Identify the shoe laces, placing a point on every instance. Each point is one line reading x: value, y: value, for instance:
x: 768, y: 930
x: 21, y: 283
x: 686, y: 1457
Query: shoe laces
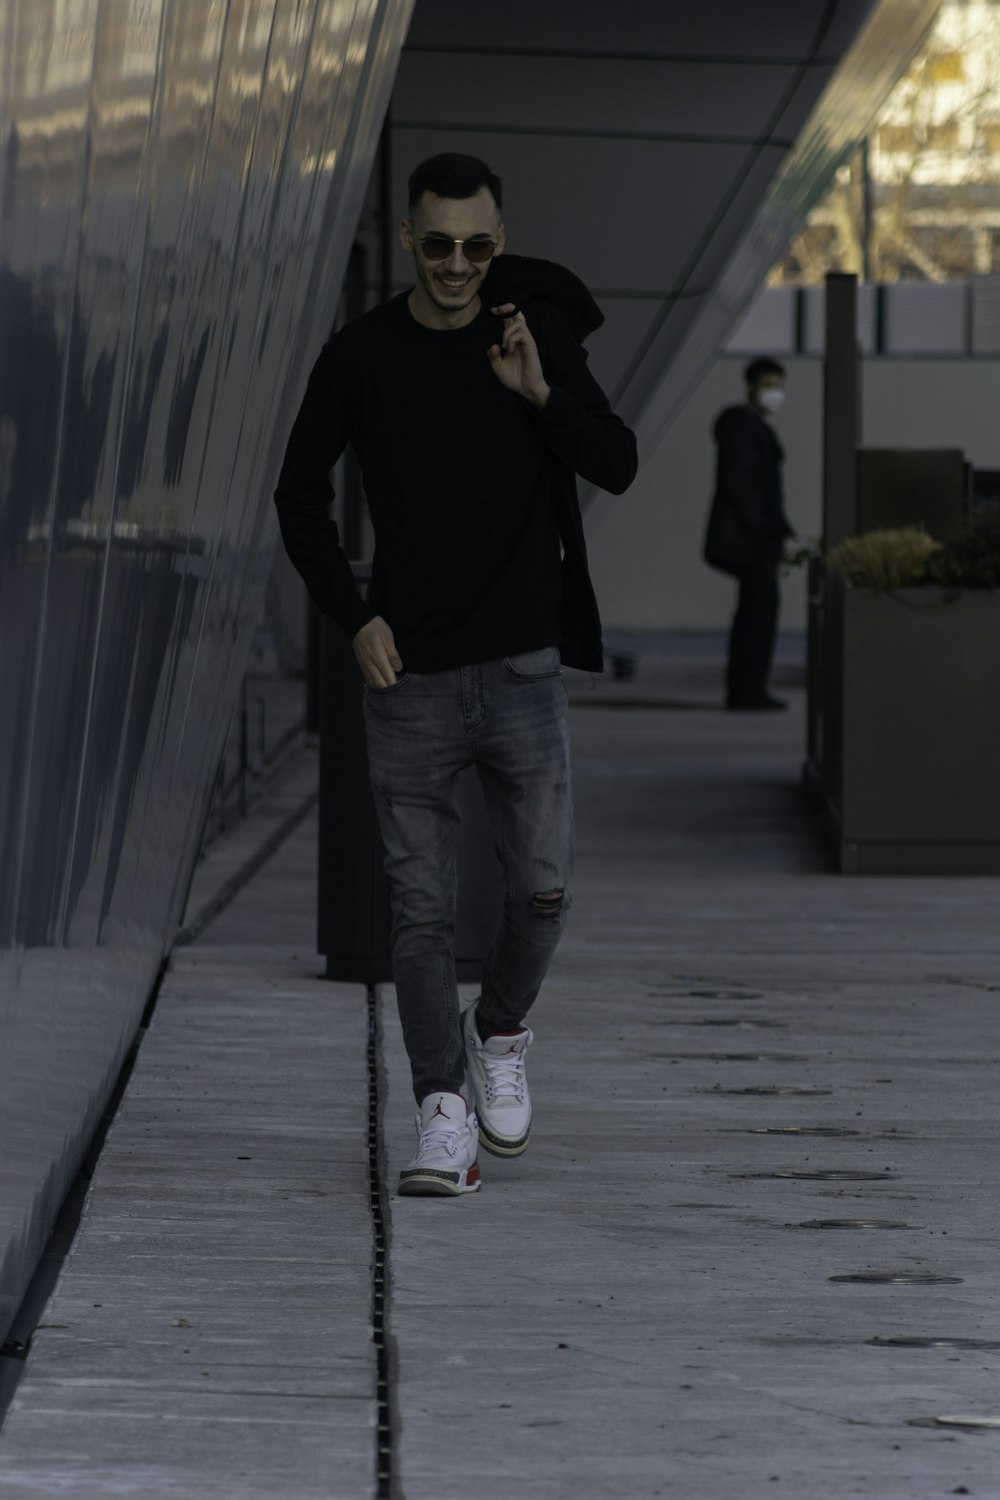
x: 505, y: 1076
x: 440, y: 1137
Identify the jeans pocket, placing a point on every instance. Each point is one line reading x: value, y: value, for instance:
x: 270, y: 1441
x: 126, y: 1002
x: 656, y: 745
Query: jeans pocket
x: 530, y: 666
x: 400, y: 680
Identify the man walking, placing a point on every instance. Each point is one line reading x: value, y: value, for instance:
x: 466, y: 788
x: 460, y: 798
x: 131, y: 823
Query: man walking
x: 747, y: 529
x: 470, y: 416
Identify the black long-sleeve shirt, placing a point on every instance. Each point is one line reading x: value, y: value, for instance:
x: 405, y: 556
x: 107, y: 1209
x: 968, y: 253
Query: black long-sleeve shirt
x: 470, y: 487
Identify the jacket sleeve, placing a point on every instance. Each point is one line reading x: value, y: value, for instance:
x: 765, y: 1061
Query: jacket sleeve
x: 740, y: 482
x: 304, y: 495
x: 579, y: 426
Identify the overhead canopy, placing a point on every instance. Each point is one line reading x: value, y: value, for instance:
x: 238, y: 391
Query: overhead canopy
x: 664, y: 152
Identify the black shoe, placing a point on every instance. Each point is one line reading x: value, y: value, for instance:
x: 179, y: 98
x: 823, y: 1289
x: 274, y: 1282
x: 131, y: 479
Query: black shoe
x: 765, y: 704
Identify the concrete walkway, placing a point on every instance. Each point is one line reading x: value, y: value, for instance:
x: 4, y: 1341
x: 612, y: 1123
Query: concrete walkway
x: 753, y: 1078
x: 210, y: 1334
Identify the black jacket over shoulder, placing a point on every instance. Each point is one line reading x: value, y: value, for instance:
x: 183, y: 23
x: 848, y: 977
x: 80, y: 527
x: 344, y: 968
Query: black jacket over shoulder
x: 747, y: 525
x: 479, y: 543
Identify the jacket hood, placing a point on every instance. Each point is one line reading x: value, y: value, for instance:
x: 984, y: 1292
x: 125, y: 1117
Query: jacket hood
x: 522, y: 278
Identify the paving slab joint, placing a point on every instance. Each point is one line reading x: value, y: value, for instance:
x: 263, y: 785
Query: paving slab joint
x: 386, y: 1479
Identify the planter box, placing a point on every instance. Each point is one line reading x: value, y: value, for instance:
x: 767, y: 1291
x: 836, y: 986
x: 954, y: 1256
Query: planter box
x: 919, y: 769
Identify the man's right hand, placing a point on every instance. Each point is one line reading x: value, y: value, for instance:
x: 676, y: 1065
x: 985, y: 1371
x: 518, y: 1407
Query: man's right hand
x: 375, y: 649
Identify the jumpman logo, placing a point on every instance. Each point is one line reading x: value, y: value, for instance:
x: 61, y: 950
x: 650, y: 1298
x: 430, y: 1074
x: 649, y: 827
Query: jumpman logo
x: 440, y: 1111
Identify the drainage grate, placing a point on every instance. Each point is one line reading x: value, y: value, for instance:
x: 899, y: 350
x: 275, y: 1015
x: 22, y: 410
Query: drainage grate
x: 900, y: 1278
x: 825, y: 1175
x: 857, y: 1224
x: 925, y: 1343
x: 771, y: 1089
x: 750, y: 1057
x: 741, y: 1023
x: 722, y: 995
x: 706, y: 994
x: 384, y: 1455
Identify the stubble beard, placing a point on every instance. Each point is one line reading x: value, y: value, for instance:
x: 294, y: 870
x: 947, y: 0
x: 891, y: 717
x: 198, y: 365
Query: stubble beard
x: 430, y: 286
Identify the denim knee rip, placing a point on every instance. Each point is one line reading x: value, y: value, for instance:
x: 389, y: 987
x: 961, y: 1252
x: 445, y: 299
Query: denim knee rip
x: 547, y: 904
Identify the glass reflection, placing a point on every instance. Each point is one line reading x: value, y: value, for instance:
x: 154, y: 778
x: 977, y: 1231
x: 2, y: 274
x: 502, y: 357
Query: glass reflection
x: 179, y: 184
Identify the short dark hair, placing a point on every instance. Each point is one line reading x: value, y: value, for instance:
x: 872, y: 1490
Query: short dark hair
x: 757, y: 368
x: 452, y: 175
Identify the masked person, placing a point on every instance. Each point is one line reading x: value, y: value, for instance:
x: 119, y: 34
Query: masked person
x: 747, y: 531
x: 471, y: 409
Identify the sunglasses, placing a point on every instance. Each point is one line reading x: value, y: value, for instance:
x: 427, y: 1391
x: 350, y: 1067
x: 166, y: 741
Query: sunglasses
x: 440, y: 246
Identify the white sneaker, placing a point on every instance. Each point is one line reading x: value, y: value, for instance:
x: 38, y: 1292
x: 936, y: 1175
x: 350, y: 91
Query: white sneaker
x: 447, y: 1148
x: 499, y: 1086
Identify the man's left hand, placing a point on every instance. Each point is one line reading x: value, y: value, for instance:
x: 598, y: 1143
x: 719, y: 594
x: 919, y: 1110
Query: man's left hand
x: 515, y: 359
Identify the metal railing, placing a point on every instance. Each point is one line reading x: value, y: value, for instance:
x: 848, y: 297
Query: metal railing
x: 903, y: 320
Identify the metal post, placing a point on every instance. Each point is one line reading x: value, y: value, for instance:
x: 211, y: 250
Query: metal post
x: 841, y: 437
x: 841, y: 409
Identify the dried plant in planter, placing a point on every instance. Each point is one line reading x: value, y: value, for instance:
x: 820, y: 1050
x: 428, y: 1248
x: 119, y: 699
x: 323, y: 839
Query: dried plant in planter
x: 972, y: 562
x: 886, y: 560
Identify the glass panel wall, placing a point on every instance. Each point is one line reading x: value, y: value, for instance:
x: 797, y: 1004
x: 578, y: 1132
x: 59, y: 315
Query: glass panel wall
x: 179, y: 186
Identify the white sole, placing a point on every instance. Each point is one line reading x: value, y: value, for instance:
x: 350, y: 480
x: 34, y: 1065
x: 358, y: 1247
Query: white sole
x: 425, y: 1182
x: 497, y: 1146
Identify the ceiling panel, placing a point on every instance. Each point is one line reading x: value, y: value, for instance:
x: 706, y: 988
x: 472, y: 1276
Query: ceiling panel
x: 811, y: 83
x: 716, y: 242
x: 651, y: 349
x: 713, y: 28
x: 637, y: 142
x: 609, y: 209
x: 744, y: 194
x: 848, y: 18
x: 841, y: 116
x: 627, y: 321
x: 591, y: 95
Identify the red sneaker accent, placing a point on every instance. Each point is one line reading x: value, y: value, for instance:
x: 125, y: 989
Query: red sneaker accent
x: 440, y: 1111
x: 473, y: 1174
x: 519, y: 1032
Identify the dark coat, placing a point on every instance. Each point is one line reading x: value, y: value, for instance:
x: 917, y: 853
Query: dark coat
x: 523, y: 280
x: 747, y: 525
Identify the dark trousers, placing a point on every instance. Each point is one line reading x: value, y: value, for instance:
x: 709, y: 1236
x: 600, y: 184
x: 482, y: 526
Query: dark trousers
x: 753, y: 634
x: 508, y: 718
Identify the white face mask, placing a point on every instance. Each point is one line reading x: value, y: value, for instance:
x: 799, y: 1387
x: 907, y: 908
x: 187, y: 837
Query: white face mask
x: 770, y: 400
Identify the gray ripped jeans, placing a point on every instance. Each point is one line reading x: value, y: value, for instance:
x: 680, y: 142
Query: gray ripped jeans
x: 508, y: 718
